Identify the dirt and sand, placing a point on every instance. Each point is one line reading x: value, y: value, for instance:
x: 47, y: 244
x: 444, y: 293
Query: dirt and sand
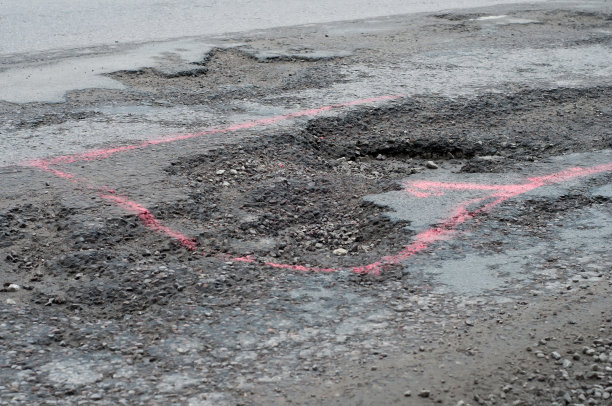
x: 283, y: 244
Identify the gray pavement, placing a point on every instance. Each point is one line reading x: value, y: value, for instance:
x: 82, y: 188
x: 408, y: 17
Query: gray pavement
x: 34, y: 26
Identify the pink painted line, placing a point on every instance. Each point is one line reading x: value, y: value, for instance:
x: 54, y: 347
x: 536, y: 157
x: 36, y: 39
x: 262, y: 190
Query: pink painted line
x: 424, y: 189
x: 108, y: 194
x: 46, y: 167
x: 108, y: 152
x: 423, y: 240
x: 150, y: 221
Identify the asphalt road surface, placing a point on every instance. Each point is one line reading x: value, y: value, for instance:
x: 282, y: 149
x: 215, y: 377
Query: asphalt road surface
x: 412, y: 209
x: 34, y: 26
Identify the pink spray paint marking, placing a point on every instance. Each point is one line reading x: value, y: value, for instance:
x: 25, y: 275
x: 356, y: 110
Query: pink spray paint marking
x: 108, y: 194
x: 108, y: 152
x: 150, y: 221
x: 46, y: 167
x: 424, y: 189
x: 424, y: 239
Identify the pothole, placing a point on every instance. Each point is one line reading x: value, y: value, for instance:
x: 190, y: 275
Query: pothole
x: 298, y: 198
x: 283, y: 200
x: 232, y: 73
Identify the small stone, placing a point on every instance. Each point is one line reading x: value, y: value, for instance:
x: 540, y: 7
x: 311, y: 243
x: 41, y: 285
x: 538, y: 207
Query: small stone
x: 340, y: 251
x: 220, y: 172
x: 10, y: 302
x: 408, y: 393
x: 424, y: 393
x: 469, y: 322
x: 233, y: 172
x: 460, y: 403
x: 567, y: 363
x: 567, y: 398
x: 431, y: 165
x: 13, y: 287
x: 226, y: 183
x: 507, y: 388
x: 555, y: 355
